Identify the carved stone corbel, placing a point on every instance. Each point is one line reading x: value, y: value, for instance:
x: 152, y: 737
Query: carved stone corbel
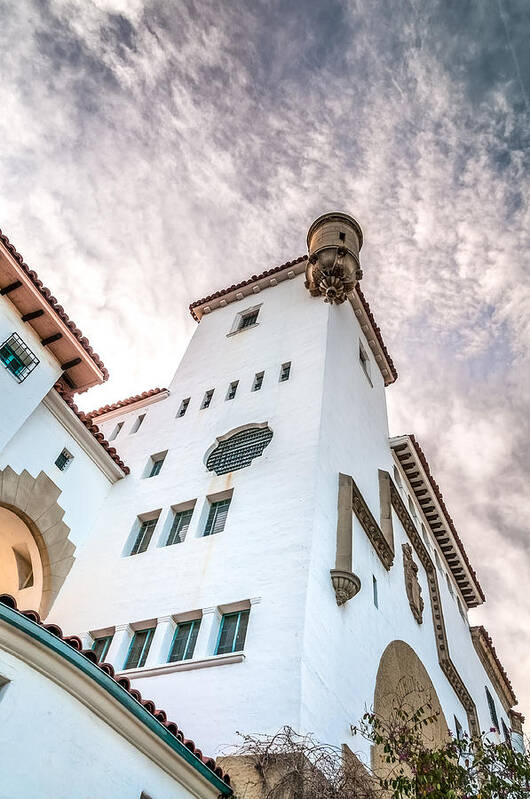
x: 345, y: 583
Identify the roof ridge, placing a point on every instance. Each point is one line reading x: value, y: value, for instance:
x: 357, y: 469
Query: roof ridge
x: 124, y: 402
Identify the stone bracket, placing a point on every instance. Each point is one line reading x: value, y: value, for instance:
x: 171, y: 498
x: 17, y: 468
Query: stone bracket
x: 345, y: 584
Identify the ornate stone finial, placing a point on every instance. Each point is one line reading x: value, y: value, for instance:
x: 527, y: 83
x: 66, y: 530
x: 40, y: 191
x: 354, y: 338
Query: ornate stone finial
x: 412, y: 584
x: 346, y: 585
x: 333, y: 269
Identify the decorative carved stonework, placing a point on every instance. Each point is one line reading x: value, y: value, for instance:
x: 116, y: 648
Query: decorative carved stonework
x: 412, y: 584
x: 334, y: 241
x: 371, y: 528
x: 345, y: 584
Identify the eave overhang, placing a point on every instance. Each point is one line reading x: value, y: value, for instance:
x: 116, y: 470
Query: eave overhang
x: 135, y: 403
x: 430, y: 499
x: 493, y: 666
x: 82, y: 367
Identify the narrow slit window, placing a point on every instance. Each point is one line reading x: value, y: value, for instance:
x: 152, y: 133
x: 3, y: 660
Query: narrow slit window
x: 184, y: 641
x: 143, y: 538
x: 179, y: 527
x: 374, y: 589
x: 100, y: 647
x: 248, y: 319
x: 116, y: 431
x: 232, y: 389
x: 412, y: 509
x: 449, y: 585
x: 139, y: 648
x: 365, y: 362
x: 138, y: 423
x: 459, y: 730
x: 217, y: 514
x: 285, y: 372
x: 425, y: 537
x: 183, y: 407
x: 232, y: 632
x: 397, y: 478
x: 17, y: 357
x: 64, y: 460
x: 437, y: 560
x: 207, y: 398
x: 493, y: 710
x: 156, y: 465
x: 258, y: 381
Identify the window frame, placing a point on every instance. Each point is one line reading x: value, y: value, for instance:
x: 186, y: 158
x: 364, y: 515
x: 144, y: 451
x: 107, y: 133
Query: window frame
x: 140, y: 534
x: 183, y: 407
x: 18, y: 348
x: 144, y: 652
x: 178, y: 512
x: 214, y: 504
x: 68, y: 458
x: 364, y: 360
x: 283, y: 378
x: 239, y: 326
x: 232, y: 390
x: 116, y: 431
x: 106, y: 646
x: 257, y: 383
x: 207, y: 399
x: 239, y: 613
x: 138, y: 422
x: 193, y: 633
x: 375, y: 592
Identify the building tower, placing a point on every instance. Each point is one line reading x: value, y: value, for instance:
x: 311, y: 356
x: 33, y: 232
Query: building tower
x: 273, y: 557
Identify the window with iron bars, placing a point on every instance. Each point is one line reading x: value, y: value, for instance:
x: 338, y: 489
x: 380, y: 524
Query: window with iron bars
x: 232, y: 389
x: 248, y: 319
x: 258, y: 381
x: 64, y: 460
x: 17, y: 357
x: 285, y: 372
x: 239, y: 450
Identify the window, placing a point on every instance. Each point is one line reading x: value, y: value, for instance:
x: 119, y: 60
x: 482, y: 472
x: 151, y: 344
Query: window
x: 461, y: 610
x: 232, y: 388
x: 239, y: 450
x: 374, y: 588
x: 285, y: 372
x: 100, y: 647
x: 397, y: 478
x: 506, y: 733
x: 493, y: 710
x: 459, y: 730
x: 412, y: 510
x: 115, y: 432
x: 17, y: 357
x: 139, y: 648
x: 248, y: 318
x: 179, y: 528
x: 184, y: 640
x: 144, y: 536
x: 232, y: 632
x: 157, y: 461
x: 425, y: 537
x: 437, y: 560
x: 207, y: 398
x: 258, y: 381
x: 138, y: 423
x: 449, y: 585
x: 216, y: 520
x: 365, y: 362
x: 183, y: 407
x: 64, y: 460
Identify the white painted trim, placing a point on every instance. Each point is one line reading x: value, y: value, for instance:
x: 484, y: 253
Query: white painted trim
x: 65, y: 415
x: 183, y: 665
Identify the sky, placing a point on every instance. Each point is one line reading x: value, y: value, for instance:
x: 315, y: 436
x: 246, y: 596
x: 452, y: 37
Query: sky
x: 154, y: 152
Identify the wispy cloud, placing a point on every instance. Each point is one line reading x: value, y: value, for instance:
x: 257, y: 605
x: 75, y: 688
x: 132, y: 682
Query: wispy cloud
x: 154, y: 151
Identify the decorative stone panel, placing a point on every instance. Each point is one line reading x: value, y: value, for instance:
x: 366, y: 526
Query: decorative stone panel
x: 412, y: 584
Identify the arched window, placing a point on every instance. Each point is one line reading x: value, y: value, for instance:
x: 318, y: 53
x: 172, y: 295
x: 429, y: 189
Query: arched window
x: 237, y: 449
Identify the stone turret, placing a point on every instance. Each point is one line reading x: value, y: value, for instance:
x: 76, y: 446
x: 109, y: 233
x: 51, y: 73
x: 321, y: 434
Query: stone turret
x: 333, y: 268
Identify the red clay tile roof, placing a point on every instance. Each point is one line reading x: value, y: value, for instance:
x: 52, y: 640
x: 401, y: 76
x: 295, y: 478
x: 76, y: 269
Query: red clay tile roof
x: 123, y: 403
x: 92, y: 428
x: 275, y: 270
x: 486, y: 638
x: 75, y: 643
x: 53, y: 303
x: 439, y: 497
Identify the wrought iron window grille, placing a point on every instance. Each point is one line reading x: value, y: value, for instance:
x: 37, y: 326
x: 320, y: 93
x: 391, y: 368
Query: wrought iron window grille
x: 17, y: 357
x: 239, y: 450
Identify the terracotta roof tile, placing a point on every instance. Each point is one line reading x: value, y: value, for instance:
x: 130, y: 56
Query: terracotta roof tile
x: 377, y: 331
x: 148, y: 704
x: 54, y: 304
x: 123, y: 403
x: 92, y: 428
x: 486, y: 638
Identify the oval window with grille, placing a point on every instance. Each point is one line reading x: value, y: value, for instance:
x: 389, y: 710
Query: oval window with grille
x: 238, y: 450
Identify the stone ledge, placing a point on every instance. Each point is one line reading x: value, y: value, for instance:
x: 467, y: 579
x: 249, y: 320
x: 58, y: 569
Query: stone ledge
x: 182, y: 665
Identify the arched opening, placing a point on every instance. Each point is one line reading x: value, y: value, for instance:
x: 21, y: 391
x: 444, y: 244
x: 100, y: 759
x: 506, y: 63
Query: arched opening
x: 21, y: 572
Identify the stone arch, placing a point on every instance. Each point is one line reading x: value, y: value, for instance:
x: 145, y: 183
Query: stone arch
x: 44, y: 546
x: 403, y: 679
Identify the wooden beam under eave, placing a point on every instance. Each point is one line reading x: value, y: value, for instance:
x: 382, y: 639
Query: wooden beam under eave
x: 12, y: 286
x: 70, y: 364
x: 51, y: 339
x: 33, y: 315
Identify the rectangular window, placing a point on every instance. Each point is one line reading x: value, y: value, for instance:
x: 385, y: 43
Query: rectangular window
x: 179, y: 528
x: 493, y: 710
x: 207, y: 398
x: 136, y: 426
x: 144, y: 536
x: 458, y: 729
x: 285, y: 372
x: 17, y: 357
x: 139, y: 648
x: 374, y: 589
x: 365, y: 362
x: 116, y: 431
x: 232, y: 632
x: 248, y: 319
x: 64, y: 460
x: 437, y: 560
x: 183, y: 407
x: 156, y: 465
x: 100, y: 647
x: 449, y: 585
x: 258, y: 381
x: 216, y: 520
x: 412, y: 509
x: 184, y: 641
x: 232, y: 388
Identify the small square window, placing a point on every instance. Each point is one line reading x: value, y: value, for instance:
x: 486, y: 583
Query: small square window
x: 217, y: 514
x: 258, y: 381
x: 179, y: 527
x: 232, y: 632
x: 64, y: 460
x: 374, y: 590
x: 248, y: 319
x: 184, y: 641
x: 116, y: 431
x: 100, y: 647
x: 144, y: 535
x: 207, y: 399
x: 285, y: 371
x: 138, y: 423
x: 17, y: 357
x: 156, y: 461
x: 183, y: 407
x: 232, y: 389
x: 139, y: 648
x: 365, y: 362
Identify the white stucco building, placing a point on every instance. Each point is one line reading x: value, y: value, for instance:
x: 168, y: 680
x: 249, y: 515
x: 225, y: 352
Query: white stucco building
x: 268, y: 555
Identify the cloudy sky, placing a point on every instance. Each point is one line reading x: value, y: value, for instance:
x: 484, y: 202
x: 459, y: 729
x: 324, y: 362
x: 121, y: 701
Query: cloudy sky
x: 153, y: 152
